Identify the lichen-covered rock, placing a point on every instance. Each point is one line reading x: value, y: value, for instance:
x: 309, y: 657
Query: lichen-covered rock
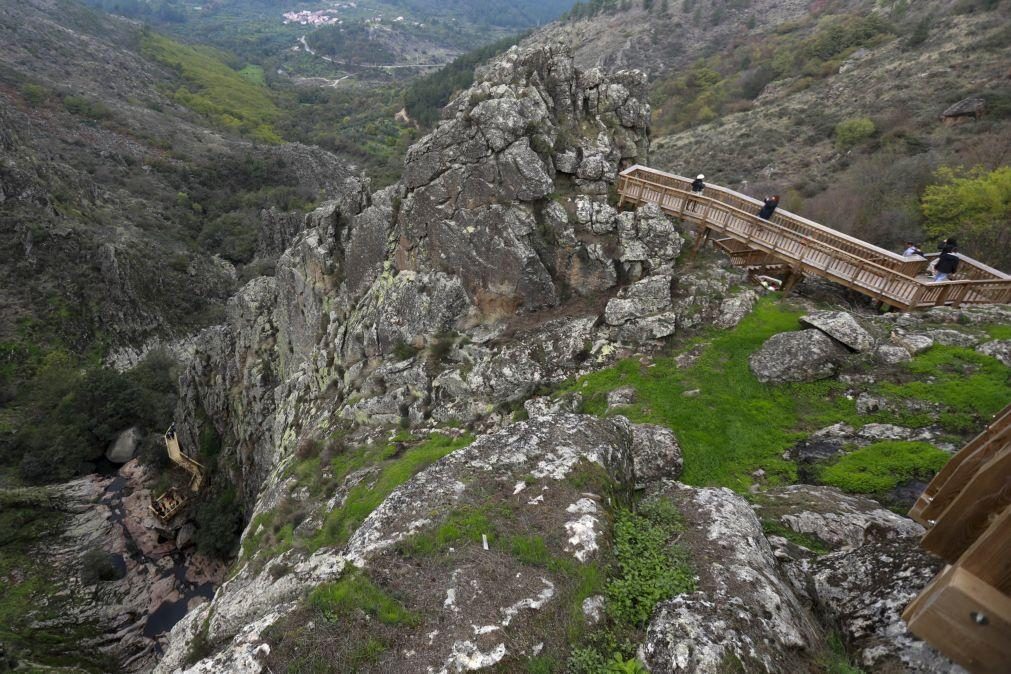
x: 953, y: 337
x: 805, y: 355
x: 841, y: 520
x: 865, y: 590
x: 841, y: 327
x: 733, y: 309
x: 650, y: 242
x: 892, y: 355
x: 911, y: 342
x: 468, y: 183
x: 999, y: 349
x: 743, y: 609
x: 524, y: 467
x: 639, y: 300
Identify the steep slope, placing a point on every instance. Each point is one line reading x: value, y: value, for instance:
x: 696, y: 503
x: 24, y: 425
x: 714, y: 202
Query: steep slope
x: 99, y: 173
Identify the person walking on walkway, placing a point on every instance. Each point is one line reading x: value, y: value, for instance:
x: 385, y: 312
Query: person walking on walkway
x: 947, y: 263
x: 698, y: 187
x: 769, y: 207
x: 912, y: 250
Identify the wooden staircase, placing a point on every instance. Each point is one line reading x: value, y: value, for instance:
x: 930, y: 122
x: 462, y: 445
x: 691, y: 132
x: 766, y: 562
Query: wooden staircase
x: 966, y: 610
x: 797, y: 246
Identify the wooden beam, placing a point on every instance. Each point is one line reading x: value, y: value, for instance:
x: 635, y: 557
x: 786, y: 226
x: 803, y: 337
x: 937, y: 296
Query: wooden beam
x: 984, y: 496
x: 966, y: 619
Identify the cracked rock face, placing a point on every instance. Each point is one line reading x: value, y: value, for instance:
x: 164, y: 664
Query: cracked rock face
x: 477, y: 183
x: 743, y: 608
x: 866, y: 590
x: 805, y: 355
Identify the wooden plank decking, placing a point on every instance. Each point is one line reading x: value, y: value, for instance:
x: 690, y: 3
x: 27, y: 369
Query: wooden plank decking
x: 966, y: 611
x: 806, y: 247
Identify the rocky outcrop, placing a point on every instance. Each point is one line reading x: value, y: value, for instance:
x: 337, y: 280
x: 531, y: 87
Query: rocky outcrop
x: 743, y: 609
x: 805, y: 355
x: 865, y: 592
x: 843, y: 521
x: 999, y: 349
x: 524, y: 467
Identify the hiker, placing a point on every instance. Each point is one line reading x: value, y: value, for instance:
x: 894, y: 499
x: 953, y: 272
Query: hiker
x: 947, y: 263
x: 911, y: 250
x: 946, y: 246
x: 770, y: 207
x: 698, y: 186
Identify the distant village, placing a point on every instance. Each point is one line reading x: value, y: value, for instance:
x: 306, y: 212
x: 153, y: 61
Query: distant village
x: 320, y: 17
x: 328, y: 17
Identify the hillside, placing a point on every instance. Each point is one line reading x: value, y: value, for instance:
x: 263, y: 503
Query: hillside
x: 759, y: 95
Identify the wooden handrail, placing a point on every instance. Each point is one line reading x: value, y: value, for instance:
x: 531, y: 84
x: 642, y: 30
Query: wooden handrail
x: 807, y: 246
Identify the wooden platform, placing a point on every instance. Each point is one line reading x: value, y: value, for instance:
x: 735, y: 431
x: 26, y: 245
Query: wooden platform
x: 966, y: 611
x: 800, y: 246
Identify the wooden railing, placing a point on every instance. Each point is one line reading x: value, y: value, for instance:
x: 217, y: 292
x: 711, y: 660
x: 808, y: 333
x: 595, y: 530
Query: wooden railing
x: 965, y: 612
x: 808, y: 247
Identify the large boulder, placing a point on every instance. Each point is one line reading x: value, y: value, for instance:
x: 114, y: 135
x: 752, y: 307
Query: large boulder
x: 743, y: 609
x: 864, y: 592
x: 805, y: 355
x: 124, y: 446
x: 841, y: 520
x: 841, y: 327
x: 473, y: 602
x: 639, y: 300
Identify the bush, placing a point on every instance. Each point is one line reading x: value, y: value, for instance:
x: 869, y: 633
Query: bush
x: 99, y: 566
x: 219, y: 525
x: 852, y: 132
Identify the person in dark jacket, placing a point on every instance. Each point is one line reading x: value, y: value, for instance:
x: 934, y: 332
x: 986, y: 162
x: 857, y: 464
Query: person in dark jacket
x: 947, y: 263
x: 770, y: 207
x: 698, y: 187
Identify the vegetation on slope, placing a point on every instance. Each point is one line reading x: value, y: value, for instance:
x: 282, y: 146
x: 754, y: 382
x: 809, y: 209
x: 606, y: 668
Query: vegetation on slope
x: 735, y: 425
x: 214, y: 89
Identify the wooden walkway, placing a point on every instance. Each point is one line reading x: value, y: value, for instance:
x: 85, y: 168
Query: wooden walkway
x: 966, y: 611
x: 796, y: 246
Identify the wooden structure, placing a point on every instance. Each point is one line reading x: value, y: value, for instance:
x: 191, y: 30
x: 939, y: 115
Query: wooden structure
x: 792, y: 246
x: 169, y: 503
x: 966, y: 611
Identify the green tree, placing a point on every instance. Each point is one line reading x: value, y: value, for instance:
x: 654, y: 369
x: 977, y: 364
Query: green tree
x: 975, y: 207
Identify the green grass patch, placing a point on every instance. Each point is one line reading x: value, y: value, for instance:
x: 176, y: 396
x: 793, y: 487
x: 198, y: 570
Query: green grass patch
x: 810, y: 541
x: 461, y: 526
x: 971, y: 386
x: 735, y: 424
x: 232, y: 99
x: 356, y: 592
x: 999, y: 331
x: 254, y: 74
x: 876, y: 468
x: 394, y: 470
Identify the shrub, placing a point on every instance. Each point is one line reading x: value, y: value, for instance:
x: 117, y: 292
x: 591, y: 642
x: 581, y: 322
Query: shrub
x: 851, y: 132
x: 99, y: 566
x: 650, y: 570
x: 219, y: 524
